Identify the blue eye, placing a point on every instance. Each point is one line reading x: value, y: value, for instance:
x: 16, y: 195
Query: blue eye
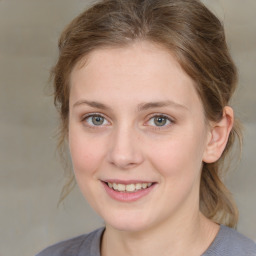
x: 159, y: 121
x: 96, y: 120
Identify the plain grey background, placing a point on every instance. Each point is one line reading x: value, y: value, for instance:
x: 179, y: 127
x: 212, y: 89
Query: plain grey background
x: 31, y: 177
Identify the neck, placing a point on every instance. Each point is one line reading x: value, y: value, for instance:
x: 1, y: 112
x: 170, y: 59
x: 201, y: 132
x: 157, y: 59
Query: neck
x: 173, y: 238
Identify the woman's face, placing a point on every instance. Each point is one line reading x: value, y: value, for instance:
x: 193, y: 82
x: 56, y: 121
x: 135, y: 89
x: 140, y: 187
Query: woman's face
x: 137, y: 136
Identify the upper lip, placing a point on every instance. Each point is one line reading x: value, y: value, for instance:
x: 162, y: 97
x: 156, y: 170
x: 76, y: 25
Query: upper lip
x: 126, y: 182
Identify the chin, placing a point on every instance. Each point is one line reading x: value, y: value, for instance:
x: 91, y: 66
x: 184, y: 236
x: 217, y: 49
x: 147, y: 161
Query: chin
x: 128, y: 227
x: 133, y: 223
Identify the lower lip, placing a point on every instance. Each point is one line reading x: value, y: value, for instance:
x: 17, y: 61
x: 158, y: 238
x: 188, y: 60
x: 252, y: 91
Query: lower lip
x: 127, y: 196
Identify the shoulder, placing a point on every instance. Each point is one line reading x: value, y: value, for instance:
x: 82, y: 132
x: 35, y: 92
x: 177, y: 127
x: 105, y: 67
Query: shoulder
x: 87, y: 244
x: 229, y: 242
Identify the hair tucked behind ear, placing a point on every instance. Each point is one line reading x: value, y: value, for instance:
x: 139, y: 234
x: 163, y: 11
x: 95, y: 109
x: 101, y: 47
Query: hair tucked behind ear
x: 216, y: 201
x: 196, y: 38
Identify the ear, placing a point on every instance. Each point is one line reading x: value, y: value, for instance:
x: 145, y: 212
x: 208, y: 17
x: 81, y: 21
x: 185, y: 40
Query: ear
x: 218, y: 136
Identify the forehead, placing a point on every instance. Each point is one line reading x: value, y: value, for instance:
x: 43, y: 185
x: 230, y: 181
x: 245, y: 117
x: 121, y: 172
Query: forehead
x: 143, y: 70
x: 142, y: 55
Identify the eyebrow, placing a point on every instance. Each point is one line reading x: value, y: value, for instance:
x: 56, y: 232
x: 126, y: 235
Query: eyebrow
x: 141, y: 107
x: 93, y: 104
x: 159, y: 104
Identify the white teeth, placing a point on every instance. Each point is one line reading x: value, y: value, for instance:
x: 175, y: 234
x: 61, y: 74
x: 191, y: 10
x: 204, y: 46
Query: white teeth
x: 129, y: 187
x: 144, y: 185
x: 115, y: 186
x: 121, y: 187
x: 138, y: 186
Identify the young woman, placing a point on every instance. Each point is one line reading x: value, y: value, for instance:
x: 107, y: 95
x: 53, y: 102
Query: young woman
x: 143, y: 90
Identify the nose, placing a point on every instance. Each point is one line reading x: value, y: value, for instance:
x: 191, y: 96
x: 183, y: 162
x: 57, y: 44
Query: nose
x: 125, y: 149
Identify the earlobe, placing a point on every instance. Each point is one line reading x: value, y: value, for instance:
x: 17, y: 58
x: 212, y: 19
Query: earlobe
x: 218, y: 136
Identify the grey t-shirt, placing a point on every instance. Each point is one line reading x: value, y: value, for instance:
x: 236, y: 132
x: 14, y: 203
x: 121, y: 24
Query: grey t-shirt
x: 228, y: 242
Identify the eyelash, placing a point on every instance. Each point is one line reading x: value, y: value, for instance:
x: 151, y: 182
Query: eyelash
x: 167, y: 118
x: 91, y: 115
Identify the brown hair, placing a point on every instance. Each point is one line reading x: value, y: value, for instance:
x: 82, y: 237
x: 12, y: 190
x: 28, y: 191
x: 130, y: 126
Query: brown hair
x: 195, y: 36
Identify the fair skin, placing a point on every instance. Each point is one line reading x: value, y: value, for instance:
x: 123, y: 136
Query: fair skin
x: 136, y: 118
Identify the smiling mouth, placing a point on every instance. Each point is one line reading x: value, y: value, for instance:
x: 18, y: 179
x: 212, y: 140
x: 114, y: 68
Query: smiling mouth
x: 128, y: 188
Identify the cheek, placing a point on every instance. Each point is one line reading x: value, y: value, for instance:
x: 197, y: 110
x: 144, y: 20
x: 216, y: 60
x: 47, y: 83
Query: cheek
x: 179, y: 157
x: 86, y: 153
